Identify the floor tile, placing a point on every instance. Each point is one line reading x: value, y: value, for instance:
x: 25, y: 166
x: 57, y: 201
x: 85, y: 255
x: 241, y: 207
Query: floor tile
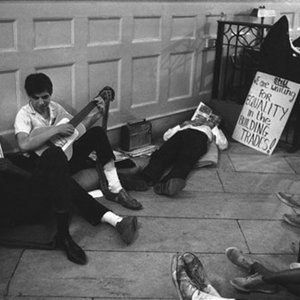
x: 192, y: 204
x: 9, y: 258
x: 270, y: 236
x: 163, y: 235
x: 294, y: 162
x: 262, y: 183
x: 224, y: 162
x: 204, y: 179
x: 107, y: 274
x: 260, y: 164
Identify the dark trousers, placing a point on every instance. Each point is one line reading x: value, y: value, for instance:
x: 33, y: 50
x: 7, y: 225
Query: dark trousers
x: 50, y: 190
x: 179, y: 154
x: 95, y: 139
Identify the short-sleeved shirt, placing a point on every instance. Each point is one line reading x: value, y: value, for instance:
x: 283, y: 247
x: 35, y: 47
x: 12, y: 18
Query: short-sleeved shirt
x: 27, y: 119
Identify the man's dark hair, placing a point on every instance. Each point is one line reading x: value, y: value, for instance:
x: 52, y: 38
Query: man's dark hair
x: 37, y: 83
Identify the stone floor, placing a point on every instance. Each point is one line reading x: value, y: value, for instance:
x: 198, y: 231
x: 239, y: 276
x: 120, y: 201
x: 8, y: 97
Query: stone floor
x: 231, y: 205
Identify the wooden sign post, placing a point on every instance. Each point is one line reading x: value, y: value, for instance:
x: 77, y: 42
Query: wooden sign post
x: 265, y: 112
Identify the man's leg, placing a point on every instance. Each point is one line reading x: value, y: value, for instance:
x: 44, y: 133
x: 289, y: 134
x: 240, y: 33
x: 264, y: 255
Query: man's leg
x: 95, y: 139
x: 96, y: 213
x: 51, y: 183
x: 162, y: 159
x: 193, y: 146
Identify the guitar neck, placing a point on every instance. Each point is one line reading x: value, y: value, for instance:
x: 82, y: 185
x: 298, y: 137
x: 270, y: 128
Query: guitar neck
x: 82, y: 114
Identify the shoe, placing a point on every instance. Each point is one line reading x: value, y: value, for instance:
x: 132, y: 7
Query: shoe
x: 294, y: 265
x: 185, y: 287
x: 293, y: 220
x: 197, y: 274
x: 289, y: 200
x: 124, y: 199
x: 127, y: 229
x: 169, y: 187
x: 237, y: 257
x: 253, y: 283
x: 73, y: 251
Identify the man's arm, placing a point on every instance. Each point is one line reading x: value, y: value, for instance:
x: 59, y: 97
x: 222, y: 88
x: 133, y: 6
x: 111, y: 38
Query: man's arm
x: 96, y: 114
x: 38, y: 137
x: 6, y: 166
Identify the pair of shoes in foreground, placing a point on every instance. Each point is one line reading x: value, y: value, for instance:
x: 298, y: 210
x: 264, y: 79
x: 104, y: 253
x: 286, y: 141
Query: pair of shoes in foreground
x: 124, y: 199
x: 252, y: 283
x: 190, y: 279
x: 169, y: 187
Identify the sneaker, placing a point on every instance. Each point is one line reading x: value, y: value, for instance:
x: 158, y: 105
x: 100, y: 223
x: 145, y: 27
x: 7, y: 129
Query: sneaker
x: 293, y: 220
x: 253, y: 283
x: 185, y: 288
x: 289, y: 200
x: 237, y: 257
x: 294, y: 265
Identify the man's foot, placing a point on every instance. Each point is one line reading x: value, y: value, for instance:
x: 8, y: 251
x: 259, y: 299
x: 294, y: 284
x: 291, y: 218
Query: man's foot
x: 73, y: 251
x: 127, y: 229
x: 197, y: 274
x: 253, y: 283
x: 237, y: 257
x: 169, y: 187
x: 124, y: 199
x: 293, y: 220
x: 289, y: 200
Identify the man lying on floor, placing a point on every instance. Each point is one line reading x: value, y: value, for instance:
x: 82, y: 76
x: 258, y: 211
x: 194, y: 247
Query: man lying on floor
x: 184, y: 145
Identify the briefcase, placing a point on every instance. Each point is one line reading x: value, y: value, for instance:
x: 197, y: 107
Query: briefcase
x: 136, y: 134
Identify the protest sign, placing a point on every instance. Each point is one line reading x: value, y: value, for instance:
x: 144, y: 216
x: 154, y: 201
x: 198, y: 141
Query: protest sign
x: 265, y: 112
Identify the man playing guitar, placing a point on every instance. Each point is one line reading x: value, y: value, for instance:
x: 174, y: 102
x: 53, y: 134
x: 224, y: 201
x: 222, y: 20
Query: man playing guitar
x: 36, y: 125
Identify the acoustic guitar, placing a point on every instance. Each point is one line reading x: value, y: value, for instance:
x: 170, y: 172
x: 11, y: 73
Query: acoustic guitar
x: 66, y: 143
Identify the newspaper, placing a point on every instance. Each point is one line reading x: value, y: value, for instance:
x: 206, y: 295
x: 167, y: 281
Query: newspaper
x: 204, y: 112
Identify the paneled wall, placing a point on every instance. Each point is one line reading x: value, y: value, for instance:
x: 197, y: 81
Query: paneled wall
x: 158, y: 56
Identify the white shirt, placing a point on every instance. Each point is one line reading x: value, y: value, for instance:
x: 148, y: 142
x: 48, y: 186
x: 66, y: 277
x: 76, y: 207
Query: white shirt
x: 215, y: 134
x: 27, y: 119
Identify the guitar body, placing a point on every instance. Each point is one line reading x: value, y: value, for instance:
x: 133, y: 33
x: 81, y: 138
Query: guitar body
x: 66, y: 143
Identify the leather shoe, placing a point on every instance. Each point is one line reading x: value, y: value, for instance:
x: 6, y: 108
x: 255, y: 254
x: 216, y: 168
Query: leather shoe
x: 124, y: 199
x: 169, y: 187
x: 73, y: 251
x: 127, y: 229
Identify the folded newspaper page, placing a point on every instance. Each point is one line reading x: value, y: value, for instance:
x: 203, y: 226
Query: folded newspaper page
x: 203, y: 111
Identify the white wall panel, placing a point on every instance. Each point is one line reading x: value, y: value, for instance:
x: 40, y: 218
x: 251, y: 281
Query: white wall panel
x: 181, y: 72
x: 9, y: 99
x: 147, y: 29
x: 145, y: 83
x: 8, y: 35
x: 104, y: 30
x: 53, y: 33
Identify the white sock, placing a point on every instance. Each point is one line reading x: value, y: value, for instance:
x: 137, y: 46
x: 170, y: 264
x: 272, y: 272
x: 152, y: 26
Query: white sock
x: 112, y: 177
x: 111, y: 218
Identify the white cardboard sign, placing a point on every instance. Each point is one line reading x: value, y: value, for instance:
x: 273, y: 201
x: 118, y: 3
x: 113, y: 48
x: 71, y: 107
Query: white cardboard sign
x: 265, y: 112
